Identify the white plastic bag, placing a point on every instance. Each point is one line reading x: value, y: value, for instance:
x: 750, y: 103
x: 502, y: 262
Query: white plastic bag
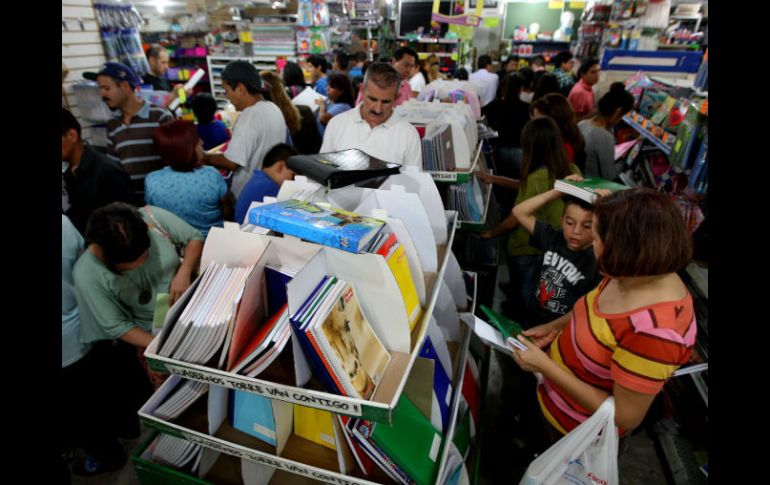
x: 588, y: 455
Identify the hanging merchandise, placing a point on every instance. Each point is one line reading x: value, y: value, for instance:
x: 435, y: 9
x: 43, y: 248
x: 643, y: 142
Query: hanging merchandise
x: 303, y: 40
x: 305, y: 13
x: 119, y: 29
x: 319, y: 41
x: 320, y: 13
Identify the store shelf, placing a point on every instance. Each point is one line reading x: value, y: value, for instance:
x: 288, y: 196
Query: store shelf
x: 457, y: 177
x: 646, y: 134
x: 481, y: 225
x: 365, y: 409
x: 430, y: 40
x: 220, y: 441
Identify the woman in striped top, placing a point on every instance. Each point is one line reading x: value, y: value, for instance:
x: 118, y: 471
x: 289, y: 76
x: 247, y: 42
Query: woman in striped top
x: 630, y: 334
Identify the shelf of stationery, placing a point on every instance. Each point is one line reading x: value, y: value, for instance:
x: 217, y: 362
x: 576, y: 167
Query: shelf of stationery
x: 458, y: 176
x: 639, y: 123
x: 478, y: 226
x: 208, y: 426
x: 375, y: 411
x: 217, y: 63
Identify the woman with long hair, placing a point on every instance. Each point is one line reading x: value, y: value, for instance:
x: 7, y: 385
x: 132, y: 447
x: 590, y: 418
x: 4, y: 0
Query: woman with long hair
x: 340, y: 92
x: 558, y: 108
x: 432, y: 64
x: 301, y: 124
x: 281, y: 99
x: 293, y: 79
x: 543, y: 162
x: 597, y: 131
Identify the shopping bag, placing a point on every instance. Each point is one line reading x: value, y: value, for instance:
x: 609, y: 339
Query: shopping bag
x: 588, y: 455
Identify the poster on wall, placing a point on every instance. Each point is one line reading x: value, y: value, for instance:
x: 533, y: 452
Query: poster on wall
x: 459, y: 17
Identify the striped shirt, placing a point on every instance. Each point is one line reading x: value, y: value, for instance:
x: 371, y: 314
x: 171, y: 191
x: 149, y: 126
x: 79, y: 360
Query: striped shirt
x: 638, y: 350
x: 133, y: 144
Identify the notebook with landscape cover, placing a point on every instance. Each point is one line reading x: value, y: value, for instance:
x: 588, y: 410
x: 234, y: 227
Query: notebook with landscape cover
x: 337, y: 228
x: 586, y: 189
x: 339, y: 169
x: 357, y: 357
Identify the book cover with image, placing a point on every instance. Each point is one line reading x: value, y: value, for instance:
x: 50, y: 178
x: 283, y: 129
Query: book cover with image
x: 337, y: 228
x: 361, y: 356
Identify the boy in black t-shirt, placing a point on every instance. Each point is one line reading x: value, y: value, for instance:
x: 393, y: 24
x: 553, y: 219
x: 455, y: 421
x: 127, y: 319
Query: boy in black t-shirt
x: 569, y: 265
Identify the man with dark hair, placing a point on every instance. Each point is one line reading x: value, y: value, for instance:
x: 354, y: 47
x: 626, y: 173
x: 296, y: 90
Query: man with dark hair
x: 91, y: 179
x: 582, y: 97
x: 260, y: 125
x: 360, y: 59
x: 320, y: 66
x: 266, y: 182
x: 129, y: 134
x: 485, y: 79
x: 341, y: 62
x: 158, y: 59
x: 564, y: 63
x: 403, y: 62
x: 212, y: 131
x: 537, y: 63
x: 370, y: 126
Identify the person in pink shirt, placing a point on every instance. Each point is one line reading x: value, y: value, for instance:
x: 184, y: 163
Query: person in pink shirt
x: 581, y: 97
x: 403, y: 61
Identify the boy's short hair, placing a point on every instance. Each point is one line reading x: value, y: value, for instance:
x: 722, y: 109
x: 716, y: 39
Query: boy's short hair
x: 342, y: 60
x: 120, y: 232
x: 572, y: 200
x: 643, y: 234
x: 279, y: 152
x: 204, y: 106
x: 317, y: 60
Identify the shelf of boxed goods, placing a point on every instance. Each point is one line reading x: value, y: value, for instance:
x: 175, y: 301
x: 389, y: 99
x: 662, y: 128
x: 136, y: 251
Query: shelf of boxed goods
x: 256, y: 452
x: 375, y: 411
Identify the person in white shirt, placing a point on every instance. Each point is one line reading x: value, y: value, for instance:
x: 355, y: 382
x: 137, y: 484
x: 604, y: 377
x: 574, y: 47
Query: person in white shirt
x: 371, y: 126
x: 486, y: 79
x: 417, y: 81
x: 259, y: 127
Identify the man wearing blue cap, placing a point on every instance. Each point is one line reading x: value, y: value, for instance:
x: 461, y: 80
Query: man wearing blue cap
x: 259, y: 127
x: 130, y: 133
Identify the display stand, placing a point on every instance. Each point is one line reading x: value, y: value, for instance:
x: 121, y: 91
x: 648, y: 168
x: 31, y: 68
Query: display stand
x: 211, y: 430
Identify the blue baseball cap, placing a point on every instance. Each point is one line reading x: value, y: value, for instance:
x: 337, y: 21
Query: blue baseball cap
x: 117, y: 71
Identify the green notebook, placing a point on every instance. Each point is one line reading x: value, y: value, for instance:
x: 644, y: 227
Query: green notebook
x: 411, y: 442
x: 585, y: 189
x: 506, y: 326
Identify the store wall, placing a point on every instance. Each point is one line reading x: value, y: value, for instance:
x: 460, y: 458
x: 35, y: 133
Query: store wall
x: 526, y: 12
x: 81, y: 51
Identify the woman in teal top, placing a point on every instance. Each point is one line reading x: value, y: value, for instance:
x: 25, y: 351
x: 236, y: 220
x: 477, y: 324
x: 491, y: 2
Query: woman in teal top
x: 543, y: 161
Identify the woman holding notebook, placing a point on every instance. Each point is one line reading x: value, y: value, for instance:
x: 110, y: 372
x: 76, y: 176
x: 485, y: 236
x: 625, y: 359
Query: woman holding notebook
x: 628, y: 336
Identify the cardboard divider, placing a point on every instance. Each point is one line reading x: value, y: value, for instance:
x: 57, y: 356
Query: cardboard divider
x: 418, y: 182
x: 407, y: 207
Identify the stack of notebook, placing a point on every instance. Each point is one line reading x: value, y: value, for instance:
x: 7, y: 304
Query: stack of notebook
x: 438, y: 153
x: 343, y: 168
x: 346, y: 354
x: 467, y: 200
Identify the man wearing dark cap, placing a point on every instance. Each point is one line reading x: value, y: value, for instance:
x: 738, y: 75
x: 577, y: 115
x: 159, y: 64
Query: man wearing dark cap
x: 259, y: 127
x: 130, y: 134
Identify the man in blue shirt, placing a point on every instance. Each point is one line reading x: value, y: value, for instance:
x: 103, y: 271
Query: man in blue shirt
x: 320, y: 66
x: 265, y: 182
